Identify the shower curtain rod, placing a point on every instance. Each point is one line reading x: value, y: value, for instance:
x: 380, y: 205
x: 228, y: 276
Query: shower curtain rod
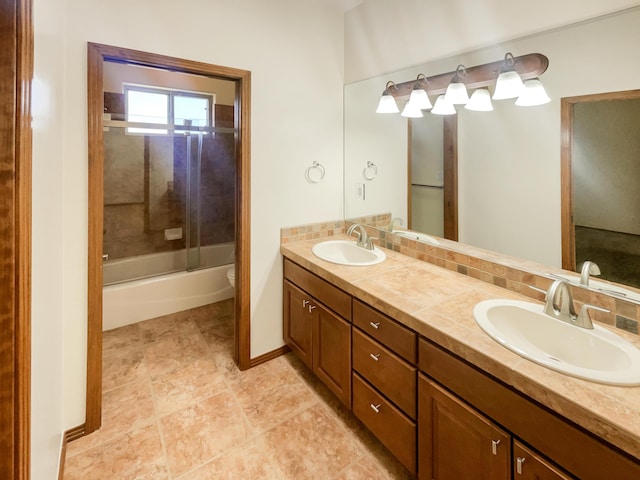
x: 166, y: 126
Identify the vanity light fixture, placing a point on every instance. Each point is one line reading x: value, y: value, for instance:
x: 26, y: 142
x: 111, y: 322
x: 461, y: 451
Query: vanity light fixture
x: 456, y: 93
x: 450, y: 88
x: 419, y: 97
x: 509, y: 84
x: 533, y: 94
x: 387, y: 102
x: 480, y: 101
x: 443, y: 107
x: 410, y: 110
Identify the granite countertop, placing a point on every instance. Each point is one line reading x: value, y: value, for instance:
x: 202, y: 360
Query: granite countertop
x: 438, y: 304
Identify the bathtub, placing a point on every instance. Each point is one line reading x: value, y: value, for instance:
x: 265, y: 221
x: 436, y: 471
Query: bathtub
x: 136, y: 300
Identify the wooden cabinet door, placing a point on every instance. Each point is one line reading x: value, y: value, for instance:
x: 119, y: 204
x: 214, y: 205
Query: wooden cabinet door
x: 298, y: 322
x: 528, y: 465
x: 332, y: 352
x: 457, y: 443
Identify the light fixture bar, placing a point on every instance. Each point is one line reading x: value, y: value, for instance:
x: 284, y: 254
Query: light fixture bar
x: 528, y: 66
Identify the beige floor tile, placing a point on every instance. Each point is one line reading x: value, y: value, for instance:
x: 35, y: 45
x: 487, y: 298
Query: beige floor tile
x: 311, y: 445
x: 219, y: 337
x: 174, y: 352
x: 187, y: 385
x: 159, y: 328
x: 121, y: 368
x: 135, y: 455
x: 195, y: 435
x: 118, y: 339
x: 249, y: 461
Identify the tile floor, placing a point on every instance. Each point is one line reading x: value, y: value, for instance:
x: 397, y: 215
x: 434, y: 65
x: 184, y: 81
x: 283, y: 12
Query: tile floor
x: 175, y: 406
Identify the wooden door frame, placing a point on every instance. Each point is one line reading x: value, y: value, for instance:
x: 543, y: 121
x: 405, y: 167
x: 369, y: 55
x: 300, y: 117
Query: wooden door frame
x: 97, y: 54
x: 16, y: 65
x: 566, y: 177
x: 450, y: 174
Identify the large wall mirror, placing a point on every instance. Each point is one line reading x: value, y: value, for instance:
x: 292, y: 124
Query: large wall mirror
x: 509, y: 178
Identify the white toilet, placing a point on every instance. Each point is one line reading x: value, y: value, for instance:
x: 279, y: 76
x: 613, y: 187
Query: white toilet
x: 231, y: 275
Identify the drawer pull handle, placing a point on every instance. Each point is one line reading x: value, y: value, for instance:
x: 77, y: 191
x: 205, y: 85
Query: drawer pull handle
x: 305, y: 303
x: 311, y: 308
x: 519, y: 462
x: 375, y: 325
x: 375, y: 356
x: 494, y: 446
x: 375, y: 408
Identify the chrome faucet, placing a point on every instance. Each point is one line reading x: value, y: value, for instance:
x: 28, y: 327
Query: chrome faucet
x: 559, y: 304
x: 364, y: 240
x: 588, y: 268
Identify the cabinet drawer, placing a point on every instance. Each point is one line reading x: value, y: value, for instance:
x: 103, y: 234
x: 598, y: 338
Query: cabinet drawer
x: 387, y: 331
x: 323, y: 291
x: 394, y: 377
x: 388, y: 424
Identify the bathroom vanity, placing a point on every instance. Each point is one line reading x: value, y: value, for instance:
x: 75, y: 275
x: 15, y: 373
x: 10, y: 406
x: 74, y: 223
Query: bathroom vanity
x: 397, y: 343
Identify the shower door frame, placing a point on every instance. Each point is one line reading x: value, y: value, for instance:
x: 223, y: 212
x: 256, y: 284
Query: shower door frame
x: 97, y: 54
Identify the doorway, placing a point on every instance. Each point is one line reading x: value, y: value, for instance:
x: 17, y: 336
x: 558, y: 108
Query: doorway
x: 97, y: 56
x: 432, y: 190
x: 599, y: 177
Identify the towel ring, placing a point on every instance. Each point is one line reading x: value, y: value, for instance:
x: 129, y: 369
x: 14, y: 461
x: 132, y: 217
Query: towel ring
x: 370, y: 171
x: 314, y: 173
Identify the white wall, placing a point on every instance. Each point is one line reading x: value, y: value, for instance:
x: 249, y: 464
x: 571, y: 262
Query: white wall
x: 383, y: 36
x: 294, y: 50
x: 509, y: 159
x: 47, y: 321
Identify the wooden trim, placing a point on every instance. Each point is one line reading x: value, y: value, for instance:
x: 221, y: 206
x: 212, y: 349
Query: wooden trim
x: 265, y: 357
x: 16, y: 65
x: 97, y: 54
x: 566, y: 179
x: 450, y: 150
x: 528, y: 66
x: 409, y: 174
x: 69, y: 436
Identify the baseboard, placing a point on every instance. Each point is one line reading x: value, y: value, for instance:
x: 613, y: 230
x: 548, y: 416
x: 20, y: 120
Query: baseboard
x: 69, y: 435
x: 265, y: 357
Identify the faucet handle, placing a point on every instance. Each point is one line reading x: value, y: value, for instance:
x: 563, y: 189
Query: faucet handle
x: 369, y: 243
x: 540, y: 290
x: 584, y: 319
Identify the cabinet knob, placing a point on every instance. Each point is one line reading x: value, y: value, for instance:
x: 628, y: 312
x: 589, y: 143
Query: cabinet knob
x: 375, y: 356
x: 519, y: 462
x: 375, y: 325
x: 494, y: 446
x: 375, y: 408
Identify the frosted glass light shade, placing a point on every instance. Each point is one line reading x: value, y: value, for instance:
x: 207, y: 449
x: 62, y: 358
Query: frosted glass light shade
x: 508, y: 85
x: 411, y: 111
x: 480, y: 101
x: 456, y: 93
x: 387, y: 104
x: 420, y: 99
x: 442, y: 107
x: 533, y: 94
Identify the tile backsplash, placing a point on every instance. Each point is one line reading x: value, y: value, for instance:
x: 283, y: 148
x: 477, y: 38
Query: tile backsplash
x: 503, y: 271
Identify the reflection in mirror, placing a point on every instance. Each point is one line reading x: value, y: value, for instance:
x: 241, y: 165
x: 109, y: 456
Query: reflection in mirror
x: 509, y: 167
x: 604, y: 160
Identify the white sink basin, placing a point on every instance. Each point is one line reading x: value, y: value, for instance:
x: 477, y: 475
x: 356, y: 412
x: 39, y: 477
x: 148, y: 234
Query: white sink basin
x: 597, y: 355
x: 346, y: 252
x: 421, y: 237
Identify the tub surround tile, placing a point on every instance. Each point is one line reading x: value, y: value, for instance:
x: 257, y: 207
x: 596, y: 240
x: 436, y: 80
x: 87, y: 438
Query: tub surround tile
x: 439, y: 305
